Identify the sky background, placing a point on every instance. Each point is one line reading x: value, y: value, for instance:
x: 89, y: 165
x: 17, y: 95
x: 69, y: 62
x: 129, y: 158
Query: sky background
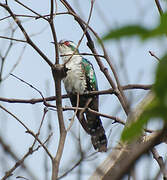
x: 139, y: 67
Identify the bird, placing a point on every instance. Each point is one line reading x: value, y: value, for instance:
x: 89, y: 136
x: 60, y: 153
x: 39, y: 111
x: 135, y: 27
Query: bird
x: 80, y: 79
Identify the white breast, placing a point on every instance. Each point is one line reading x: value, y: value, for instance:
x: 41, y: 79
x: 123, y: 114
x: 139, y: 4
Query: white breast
x: 75, y: 81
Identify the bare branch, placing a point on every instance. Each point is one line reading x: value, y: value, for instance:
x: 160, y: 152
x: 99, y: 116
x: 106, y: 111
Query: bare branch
x: 116, y: 164
x: 52, y: 98
x: 159, y: 7
x: 160, y: 162
x: 56, y: 72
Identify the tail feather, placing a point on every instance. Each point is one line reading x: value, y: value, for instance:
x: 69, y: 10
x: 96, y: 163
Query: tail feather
x: 97, y: 132
x: 92, y: 123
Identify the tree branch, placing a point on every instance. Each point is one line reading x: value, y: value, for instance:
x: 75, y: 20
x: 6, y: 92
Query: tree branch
x: 160, y: 162
x: 52, y: 98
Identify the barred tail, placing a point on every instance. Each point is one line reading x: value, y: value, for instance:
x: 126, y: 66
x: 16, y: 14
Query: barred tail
x: 92, y: 123
x: 97, y: 133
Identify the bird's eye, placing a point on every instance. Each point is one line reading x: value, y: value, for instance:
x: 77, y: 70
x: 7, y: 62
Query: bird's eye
x: 66, y: 43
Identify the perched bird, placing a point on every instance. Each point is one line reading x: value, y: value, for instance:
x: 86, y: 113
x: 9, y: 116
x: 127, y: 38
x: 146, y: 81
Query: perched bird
x: 81, y: 79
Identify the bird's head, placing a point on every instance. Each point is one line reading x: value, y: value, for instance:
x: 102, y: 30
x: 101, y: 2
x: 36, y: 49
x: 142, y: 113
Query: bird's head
x: 67, y: 47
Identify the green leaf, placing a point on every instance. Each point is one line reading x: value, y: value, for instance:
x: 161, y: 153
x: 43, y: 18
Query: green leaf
x: 140, y: 31
x: 160, y: 86
x: 126, y: 31
x: 136, y: 128
x: 157, y: 108
x: 162, y: 28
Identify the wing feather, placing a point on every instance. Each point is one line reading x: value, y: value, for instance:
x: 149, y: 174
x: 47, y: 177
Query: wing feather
x: 90, y: 75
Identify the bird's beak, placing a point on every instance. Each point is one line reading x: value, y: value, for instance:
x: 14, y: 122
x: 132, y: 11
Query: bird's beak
x: 59, y: 44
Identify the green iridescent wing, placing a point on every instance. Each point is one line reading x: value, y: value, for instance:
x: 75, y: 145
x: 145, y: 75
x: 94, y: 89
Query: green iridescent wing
x: 90, y: 75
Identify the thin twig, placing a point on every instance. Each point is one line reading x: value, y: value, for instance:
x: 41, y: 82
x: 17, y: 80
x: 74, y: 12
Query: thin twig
x: 152, y: 54
x: 18, y: 163
x: 29, y: 85
x: 30, y: 9
x: 3, y: 58
x: 27, y: 129
x: 30, y: 151
x: 32, y: 16
x: 116, y: 119
x: 160, y: 162
x: 87, y: 54
x: 51, y: 22
x: 15, y: 65
x: 8, y: 150
x: 13, y: 39
x: 84, y: 32
x: 72, y: 119
x: 71, y: 169
x: 159, y: 7
x: 43, y: 99
x: 28, y: 39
